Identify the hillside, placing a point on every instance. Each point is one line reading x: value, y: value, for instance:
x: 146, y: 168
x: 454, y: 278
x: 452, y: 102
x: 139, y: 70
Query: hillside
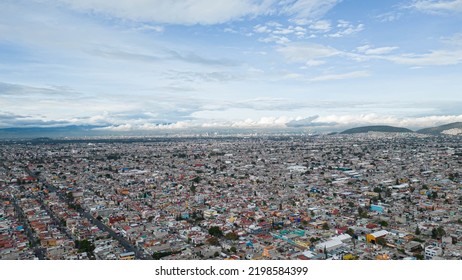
x: 448, y: 129
x: 377, y: 128
x: 44, y: 132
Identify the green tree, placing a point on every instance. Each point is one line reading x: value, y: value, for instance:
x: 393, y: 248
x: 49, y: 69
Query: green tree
x: 377, y: 190
x: 383, y: 223
x: 84, y: 246
x: 417, y: 231
x: 350, y: 231
x: 193, y: 188
x: 362, y: 212
x: 213, y: 241
x: 438, y: 232
x: 159, y: 255
x: 231, y: 236
x: 314, y: 239
x: 215, y: 231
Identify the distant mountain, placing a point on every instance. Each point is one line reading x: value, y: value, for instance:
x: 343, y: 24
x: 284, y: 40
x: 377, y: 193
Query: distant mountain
x: 448, y: 129
x: 377, y: 128
x: 42, y: 133
x: 46, y: 134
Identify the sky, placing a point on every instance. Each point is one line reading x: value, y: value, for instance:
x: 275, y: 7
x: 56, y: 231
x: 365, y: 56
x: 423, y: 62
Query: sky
x: 152, y: 65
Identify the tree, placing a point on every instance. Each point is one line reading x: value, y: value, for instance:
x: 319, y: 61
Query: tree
x: 438, y: 232
x: 362, y: 212
x: 383, y: 223
x: 314, y: 239
x: 377, y: 190
x: 159, y: 255
x: 233, y: 249
x: 325, y: 226
x: 215, y: 231
x: 84, y: 246
x: 231, y: 236
x: 350, y: 231
x: 193, y: 188
x: 213, y: 241
x: 417, y: 230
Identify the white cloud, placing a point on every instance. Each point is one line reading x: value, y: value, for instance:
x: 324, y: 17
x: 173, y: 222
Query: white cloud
x: 321, y: 25
x: 147, y: 27
x: 149, y: 126
x: 382, y: 50
x: 199, y: 11
x: 437, y: 57
x: 366, y: 49
x: 437, y: 7
x: 333, y: 121
x: 278, y: 33
x: 314, y: 62
x: 293, y: 76
x: 389, y: 16
x: 449, y: 54
x: 303, y: 9
x: 230, y: 30
x: 363, y: 48
x: 274, y: 24
x: 261, y: 29
x: 178, y: 12
x: 343, y: 76
x: 284, y: 31
x: 345, y: 28
x: 454, y: 41
x: 276, y: 39
x: 265, y: 122
x: 298, y: 52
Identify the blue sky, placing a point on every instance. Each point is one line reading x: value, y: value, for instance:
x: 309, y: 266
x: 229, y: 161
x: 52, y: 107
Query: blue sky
x: 160, y: 64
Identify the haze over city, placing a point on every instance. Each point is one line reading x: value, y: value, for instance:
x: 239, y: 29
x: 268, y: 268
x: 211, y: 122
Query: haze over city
x: 150, y: 65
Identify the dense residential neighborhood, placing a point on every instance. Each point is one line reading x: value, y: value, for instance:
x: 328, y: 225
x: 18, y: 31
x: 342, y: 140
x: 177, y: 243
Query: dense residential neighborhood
x: 368, y: 196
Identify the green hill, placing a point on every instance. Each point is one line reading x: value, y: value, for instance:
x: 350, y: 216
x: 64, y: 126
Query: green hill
x: 377, y: 128
x: 451, y: 128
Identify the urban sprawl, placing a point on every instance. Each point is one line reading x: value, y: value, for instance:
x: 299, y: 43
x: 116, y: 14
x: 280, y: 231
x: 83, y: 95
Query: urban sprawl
x: 372, y: 196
